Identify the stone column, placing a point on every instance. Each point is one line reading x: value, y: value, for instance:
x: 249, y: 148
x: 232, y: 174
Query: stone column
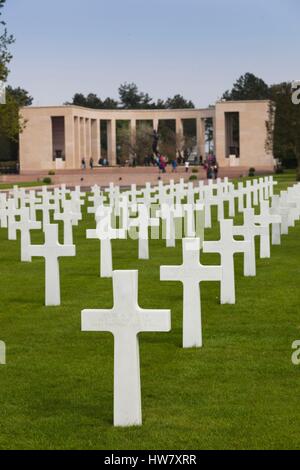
x: 69, y: 142
x: 96, y: 140
x: 111, y: 142
x: 155, y: 124
x: 88, y: 138
x: 82, y: 139
x: 77, y: 142
x: 215, y: 135
x: 179, y: 134
x: 201, y: 137
x: 133, y: 133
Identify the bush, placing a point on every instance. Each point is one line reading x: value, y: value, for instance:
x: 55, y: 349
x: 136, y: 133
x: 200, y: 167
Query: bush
x: 288, y: 160
x: 251, y: 172
x: 279, y: 170
x: 193, y: 178
x: 47, y: 181
x: 51, y: 173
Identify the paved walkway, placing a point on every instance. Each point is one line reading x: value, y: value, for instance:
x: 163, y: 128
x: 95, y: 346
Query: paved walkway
x: 122, y: 176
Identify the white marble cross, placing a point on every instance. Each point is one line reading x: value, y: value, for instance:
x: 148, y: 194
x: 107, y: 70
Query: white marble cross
x: 105, y: 233
x: 79, y: 194
x: 191, y: 273
x: 248, y: 191
x: 278, y: 209
x: 33, y: 200
x: 133, y: 194
x: 229, y: 197
x: 272, y: 185
x: 3, y: 211
x: 190, y: 194
x: 241, y: 196
x: 115, y: 201
x: 147, y: 197
x: 46, y: 206
x: 172, y: 217
x: 142, y: 223
x: 255, y: 192
x: 125, y: 321
x: 266, y: 218
x: 97, y: 199
x: 179, y: 194
x: 194, y: 221
x: 64, y: 191
x: 249, y: 231
x: 51, y: 251
x: 261, y: 189
x: 12, y: 213
x: 294, y: 198
x: 77, y: 203
x: 69, y: 219
x: 227, y: 246
x: 24, y: 225
x: 111, y: 190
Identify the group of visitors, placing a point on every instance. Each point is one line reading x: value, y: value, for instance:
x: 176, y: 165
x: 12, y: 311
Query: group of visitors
x: 212, y: 172
x: 212, y: 167
x: 102, y: 162
x: 160, y: 161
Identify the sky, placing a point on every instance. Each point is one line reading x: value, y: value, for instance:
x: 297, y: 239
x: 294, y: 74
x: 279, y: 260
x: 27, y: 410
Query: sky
x: 197, y: 48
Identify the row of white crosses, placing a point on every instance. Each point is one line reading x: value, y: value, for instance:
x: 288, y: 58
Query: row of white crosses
x: 25, y: 206
x: 169, y: 199
x: 127, y: 319
x: 127, y: 412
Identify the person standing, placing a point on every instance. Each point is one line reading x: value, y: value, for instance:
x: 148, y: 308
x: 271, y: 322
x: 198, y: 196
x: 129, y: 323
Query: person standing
x: 174, y: 165
x: 83, y: 164
x: 91, y: 163
x: 210, y: 173
x: 216, y: 171
x: 187, y: 166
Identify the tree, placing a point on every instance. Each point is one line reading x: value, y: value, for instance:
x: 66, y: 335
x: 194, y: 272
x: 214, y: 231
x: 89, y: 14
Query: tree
x: 168, y: 139
x: 138, y: 149
x: 178, y: 102
x: 5, y: 41
x: 209, y: 134
x: 248, y: 87
x: 10, y: 123
x: 131, y: 98
x: 110, y: 103
x: 160, y: 104
x: 78, y: 100
x: 21, y: 96
x: 284, y: 132
x: 92, y: 101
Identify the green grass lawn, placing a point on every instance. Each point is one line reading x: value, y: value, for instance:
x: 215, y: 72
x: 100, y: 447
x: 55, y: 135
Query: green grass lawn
x: 240, y: 391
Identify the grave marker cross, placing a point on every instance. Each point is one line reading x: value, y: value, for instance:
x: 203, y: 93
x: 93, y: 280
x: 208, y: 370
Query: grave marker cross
x: 51, y: 251
x: 227, y: 247
x: 125, y: 321
x: 191, y: 273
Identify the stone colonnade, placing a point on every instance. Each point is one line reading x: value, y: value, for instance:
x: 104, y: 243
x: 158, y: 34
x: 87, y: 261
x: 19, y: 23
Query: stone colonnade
x: 87, y: 132
x: 74, y: 132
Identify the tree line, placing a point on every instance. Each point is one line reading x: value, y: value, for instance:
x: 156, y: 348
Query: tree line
x: 130, y: 98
